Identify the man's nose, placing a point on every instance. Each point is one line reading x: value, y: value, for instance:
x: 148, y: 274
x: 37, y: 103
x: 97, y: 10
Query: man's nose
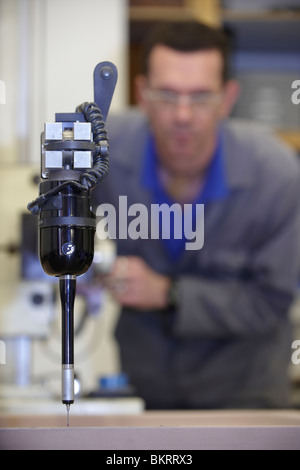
x: 183, y: 108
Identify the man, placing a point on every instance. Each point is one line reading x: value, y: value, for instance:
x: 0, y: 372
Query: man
x: 206, y: 327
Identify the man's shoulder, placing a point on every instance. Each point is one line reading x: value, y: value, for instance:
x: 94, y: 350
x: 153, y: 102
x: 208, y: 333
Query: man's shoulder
x: 126, y: 125
x: 253, y: 148
x: 127, y: 132
x: 131, y: 116
x: 256, y: 137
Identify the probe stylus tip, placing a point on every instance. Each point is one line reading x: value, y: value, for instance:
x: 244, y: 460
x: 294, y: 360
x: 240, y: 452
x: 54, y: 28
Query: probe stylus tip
x: 68, y: 414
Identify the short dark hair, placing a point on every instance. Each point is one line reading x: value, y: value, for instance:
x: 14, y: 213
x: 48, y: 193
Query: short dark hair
x: 187, y: 36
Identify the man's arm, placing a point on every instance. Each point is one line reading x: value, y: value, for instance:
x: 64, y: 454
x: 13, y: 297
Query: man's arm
x: 257, y: 303
x: 230, y: 305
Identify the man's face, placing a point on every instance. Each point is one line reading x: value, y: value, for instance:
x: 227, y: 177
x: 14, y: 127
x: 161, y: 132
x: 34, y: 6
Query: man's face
x: 184, y: 97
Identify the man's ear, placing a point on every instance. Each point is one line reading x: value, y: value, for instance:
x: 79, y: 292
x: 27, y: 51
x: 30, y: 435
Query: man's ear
x: 140, y: 86
x: 231, y: 94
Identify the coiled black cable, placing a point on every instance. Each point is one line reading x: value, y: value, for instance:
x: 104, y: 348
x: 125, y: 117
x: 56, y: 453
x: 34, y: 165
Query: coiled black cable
x: 92, y: 114
x: 94, y: 176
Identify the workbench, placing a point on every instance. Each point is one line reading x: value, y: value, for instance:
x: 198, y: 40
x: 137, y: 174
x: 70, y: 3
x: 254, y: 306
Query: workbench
x: 155, y: 430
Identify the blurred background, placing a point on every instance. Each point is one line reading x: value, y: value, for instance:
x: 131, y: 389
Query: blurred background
x: 48, y: 51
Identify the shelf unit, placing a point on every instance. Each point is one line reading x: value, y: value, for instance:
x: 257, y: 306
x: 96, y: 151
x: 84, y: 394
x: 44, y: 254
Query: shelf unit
x: 205, y: 10
x: 283, y: 25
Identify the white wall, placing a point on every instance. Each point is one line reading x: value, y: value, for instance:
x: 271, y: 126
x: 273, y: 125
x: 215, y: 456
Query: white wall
x: 79, y: 35
x: 48, y: 51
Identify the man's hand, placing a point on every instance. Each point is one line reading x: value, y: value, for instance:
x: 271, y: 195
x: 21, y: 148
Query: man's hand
x: 134, y: 284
